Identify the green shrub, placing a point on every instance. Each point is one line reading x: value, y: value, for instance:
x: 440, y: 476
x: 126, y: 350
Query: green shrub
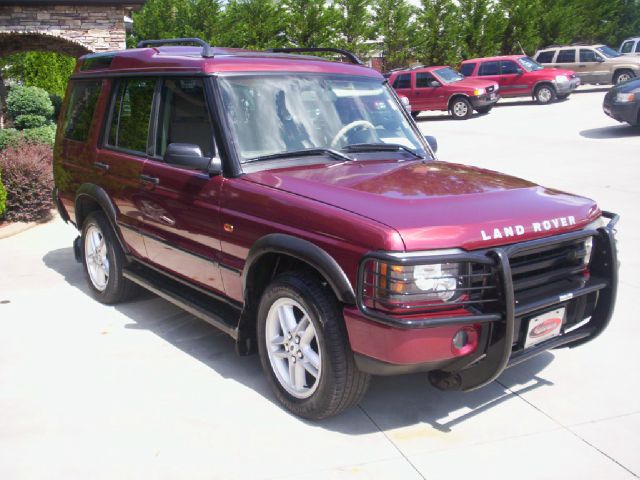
x: 9, y: 137
x: 3, y: 197
x: 29, y: 121
x: 28, y: 178
x: 29, y: 101
x: 45, y: 134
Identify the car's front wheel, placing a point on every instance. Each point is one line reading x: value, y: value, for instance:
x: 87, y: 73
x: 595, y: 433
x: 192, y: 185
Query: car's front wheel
x: 623, y: 76
x: 461, y: 108
x: 104, y: 260
x: 544, y: 94
x: 304, y: 349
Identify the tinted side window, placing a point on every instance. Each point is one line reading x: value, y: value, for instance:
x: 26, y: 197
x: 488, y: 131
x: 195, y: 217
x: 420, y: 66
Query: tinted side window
x: 488, y: 68
x: 588, y: 55
x: 566, y: 56
x: 184, y: 117
x: 638, y: 47
x: 627, y: 47
x: 403, y: 81
x: 423, y: 79
x: 546, y: 57
x: 507, y: 67
x: 129, y: 127
x: 466, y: 69
x: 79, y: 114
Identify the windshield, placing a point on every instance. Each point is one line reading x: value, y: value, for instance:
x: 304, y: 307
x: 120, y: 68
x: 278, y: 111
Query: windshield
x: 271, y: 115
x: 449, y: 75
x: 608, y: 51
x: 529, y: 64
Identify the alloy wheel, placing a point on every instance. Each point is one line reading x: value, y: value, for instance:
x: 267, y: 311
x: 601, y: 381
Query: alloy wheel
x: 95, y: 255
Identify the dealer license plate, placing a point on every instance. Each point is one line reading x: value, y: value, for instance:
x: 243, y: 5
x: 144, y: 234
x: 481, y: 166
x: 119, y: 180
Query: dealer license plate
x: 543, y: 327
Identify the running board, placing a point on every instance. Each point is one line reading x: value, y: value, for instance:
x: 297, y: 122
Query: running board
x: 215, y: 312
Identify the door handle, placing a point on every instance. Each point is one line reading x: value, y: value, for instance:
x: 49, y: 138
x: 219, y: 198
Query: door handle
x: 101, y: 166
x: 149, y: 179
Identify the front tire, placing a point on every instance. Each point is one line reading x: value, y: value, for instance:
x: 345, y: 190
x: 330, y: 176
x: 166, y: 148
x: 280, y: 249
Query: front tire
x: 304, y: 348
x: 461, y: 108
x: 623, y: 76
x: 103, y: 261
x: 544, y: 94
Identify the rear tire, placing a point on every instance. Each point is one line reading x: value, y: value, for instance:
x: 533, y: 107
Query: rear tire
x: 544, y: 94
x: 461, y: 108
x: 304, y: 348
x: 103, y: 261
x: 623, y: 76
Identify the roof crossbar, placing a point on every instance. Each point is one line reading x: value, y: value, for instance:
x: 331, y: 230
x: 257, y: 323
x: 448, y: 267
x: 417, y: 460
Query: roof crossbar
x: 346, y: 53
x: 207, y: 51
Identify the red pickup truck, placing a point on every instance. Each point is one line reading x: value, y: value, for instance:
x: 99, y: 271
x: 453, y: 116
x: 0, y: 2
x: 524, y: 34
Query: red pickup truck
x: 442, y: 88
x: 293, y: 203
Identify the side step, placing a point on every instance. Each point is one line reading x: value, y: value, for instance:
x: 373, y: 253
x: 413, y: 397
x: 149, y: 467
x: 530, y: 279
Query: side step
x: 205, y: 307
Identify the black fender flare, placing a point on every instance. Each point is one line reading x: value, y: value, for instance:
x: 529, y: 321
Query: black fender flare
x: 101, y: 197
x: 306, y: 252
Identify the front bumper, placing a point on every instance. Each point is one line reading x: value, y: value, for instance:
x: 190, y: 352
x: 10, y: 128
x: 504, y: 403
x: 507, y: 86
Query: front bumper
x: 387, y: 345
x: 623, y: 112
x: 566, y: 88
x: 485, y: 100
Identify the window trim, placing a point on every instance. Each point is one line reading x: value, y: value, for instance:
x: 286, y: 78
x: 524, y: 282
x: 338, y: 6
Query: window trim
x: 92, y: 125
x: 106, y: 129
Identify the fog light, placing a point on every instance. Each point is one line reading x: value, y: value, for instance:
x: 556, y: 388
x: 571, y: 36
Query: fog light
x: 460, y: 339
x: 465, y: 340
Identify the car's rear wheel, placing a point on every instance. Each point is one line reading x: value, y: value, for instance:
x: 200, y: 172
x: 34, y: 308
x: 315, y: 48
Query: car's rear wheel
x: 544, y: 94
x: 623, y: 76
x: 461, y: 108
x: 484, y: 110
x: 304, y: 349
x: 103, y: 261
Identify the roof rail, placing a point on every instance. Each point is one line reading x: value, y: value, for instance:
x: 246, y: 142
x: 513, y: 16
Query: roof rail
x: 346, y: 53
x: 581, y: 44
x: 552, y: 46
x: 207, y: 51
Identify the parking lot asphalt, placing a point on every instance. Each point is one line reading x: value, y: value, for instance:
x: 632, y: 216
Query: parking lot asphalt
x: 144, y: 390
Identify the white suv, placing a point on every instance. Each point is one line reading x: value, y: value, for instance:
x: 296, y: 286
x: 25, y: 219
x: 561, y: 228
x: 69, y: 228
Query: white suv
x: 631, y: 46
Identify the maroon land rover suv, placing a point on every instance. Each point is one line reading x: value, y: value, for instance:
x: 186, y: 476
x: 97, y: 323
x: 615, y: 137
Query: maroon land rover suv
x: 292, y: 202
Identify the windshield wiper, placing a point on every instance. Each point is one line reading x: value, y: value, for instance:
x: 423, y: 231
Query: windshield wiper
x: 380, y: 147
x: 305, y: 152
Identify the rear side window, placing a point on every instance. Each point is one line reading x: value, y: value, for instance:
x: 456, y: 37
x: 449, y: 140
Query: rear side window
x: 638, y: 47
x: 129, y: 129
x: 545, y: 57
x: 588, y: 55
x: 466, y: 69
x: 627, y: 47
x: 423, y: 80
x: 403, y: 81
x: 82, y: 105
x: 508, y: 67
x: 184, y: 117
x: 488, y: 68
x: 566, y: 56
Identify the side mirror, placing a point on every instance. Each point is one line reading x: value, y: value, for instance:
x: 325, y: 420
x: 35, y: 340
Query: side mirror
x: 599, y: 59
x: 433, y: 143
x: 188, y: 155
x: 434, y: 83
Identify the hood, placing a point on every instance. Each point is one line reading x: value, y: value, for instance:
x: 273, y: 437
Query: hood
x: 437, y: 204
x: 473, y: 83
x: 552, y: 72
x: 625, y: 59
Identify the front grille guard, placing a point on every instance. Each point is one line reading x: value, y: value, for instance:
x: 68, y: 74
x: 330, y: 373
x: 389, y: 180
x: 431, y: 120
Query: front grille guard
x: 494, y: 353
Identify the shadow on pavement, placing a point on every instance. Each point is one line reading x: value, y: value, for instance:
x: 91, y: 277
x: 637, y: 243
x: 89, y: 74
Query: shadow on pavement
x: 594, y: 89
x: 392, y: 402
x: 617, y: 131
x: 445, y: 117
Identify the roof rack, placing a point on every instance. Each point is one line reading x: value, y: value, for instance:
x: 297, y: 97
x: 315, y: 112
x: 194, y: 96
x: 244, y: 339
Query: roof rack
x: 207, y: 51
x: 346, y: 53
x: 552, y: 46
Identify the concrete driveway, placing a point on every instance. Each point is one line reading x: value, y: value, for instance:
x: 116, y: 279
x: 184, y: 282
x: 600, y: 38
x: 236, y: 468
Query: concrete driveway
x: 144, y: 390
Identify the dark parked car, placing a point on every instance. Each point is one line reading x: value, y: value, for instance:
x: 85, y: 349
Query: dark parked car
x: 622, y: 102
x: 293, y: 203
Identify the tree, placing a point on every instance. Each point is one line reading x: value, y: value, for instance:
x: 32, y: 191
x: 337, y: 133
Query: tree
x: 47, y: 70
x: 519, y: 25
x: 437, y: 33
x: 355, y: 26
x: 394, y: 23
x: 253, y: 24
x: 310, y: 23
x: 479, y: 29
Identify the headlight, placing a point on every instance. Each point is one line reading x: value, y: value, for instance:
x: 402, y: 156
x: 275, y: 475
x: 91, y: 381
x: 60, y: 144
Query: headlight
x: 626, y: 97
x: 440, y: 279
x: 478, y: 91
x: 562, y: 79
